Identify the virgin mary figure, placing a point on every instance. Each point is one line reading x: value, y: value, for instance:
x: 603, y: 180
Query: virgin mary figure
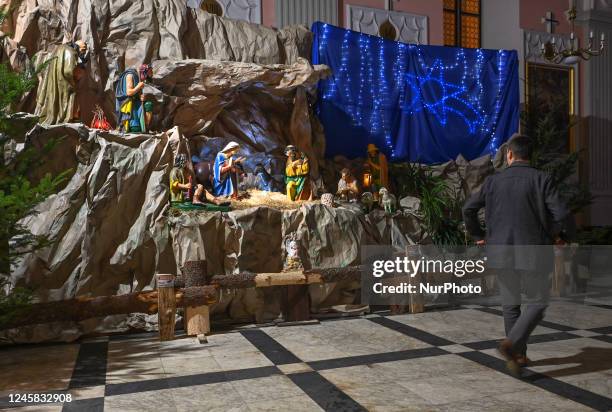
x: 225, y: 171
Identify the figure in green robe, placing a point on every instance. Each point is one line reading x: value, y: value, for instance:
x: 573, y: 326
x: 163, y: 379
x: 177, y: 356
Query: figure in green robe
x: 56, y: 98
x: 297, y: 177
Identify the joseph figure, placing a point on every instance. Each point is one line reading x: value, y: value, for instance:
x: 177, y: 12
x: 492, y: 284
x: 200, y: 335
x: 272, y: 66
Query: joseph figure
x: 379, y: 169
x: 56, y: 100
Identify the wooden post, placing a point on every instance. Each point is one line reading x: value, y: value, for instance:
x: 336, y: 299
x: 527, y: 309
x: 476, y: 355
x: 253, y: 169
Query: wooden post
x: 296, y: 303
x: 167, y: 306
x: 197, y: 318
x: 398, y: 302
x: 558, y: 279
x: 417, y: 300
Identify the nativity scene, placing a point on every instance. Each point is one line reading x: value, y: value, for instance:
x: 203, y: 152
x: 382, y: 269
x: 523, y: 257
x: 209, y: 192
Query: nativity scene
x: 214, y: 175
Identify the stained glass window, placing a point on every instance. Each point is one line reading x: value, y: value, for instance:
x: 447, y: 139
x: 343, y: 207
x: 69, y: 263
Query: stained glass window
x: 462, y: 23
x: 449, y: 4
x: 450, y: 28
x: 470, y: 6
x: 470, y: 31
x: 387, y: 31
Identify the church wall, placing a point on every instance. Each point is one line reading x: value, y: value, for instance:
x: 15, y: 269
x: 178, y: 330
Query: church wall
x: 343, y: 17
x: 429, y: 8
x: 500, y: 30
x: 268, y: 13
x: 533, y: 11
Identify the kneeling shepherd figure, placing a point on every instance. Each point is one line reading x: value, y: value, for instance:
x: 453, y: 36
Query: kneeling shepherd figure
x: 134, y: 112
x: 297, y: 175
x: 180, y: 183
x: 378, y: 168
x: 56, y: 100
x: 347, y: 186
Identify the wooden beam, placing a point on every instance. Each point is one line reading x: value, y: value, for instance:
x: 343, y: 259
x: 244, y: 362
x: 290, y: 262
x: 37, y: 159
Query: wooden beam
x: 307, y: 277
x: 83, y: 307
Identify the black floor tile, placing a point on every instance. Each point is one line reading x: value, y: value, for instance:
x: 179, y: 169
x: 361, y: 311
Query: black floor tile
x: 327, y: 395
x: 273, y: 350
x: 411, y: 331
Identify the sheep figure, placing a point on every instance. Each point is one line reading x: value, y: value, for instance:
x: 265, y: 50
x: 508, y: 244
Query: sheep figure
x: 367, y: 200
x: 387, y: 200
x: 327, y: 199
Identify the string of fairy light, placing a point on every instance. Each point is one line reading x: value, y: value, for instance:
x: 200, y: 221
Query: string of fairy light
x: 378, y: 81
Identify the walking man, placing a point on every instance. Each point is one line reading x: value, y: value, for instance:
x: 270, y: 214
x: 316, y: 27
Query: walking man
x: 522, y: 210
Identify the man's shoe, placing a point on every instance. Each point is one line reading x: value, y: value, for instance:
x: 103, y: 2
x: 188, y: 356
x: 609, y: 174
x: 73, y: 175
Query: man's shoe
x: 505, y: 349
x: 522, y: 360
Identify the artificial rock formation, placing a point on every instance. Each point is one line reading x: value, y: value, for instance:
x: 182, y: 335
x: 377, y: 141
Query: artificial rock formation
x: 127, y: 33
x: 113, y: 230
x: 262, y: 107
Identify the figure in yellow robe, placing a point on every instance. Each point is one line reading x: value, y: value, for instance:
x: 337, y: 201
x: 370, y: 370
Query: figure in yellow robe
x: 297, y: 175
x: 377, y: 163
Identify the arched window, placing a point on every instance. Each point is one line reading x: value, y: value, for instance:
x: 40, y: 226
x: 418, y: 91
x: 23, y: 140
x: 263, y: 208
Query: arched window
x: 462, y: 23
x: 212, y: 7
x: 387, y: 31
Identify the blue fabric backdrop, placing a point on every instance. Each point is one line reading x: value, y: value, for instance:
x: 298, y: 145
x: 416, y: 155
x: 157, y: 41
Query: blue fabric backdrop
x: 418, y: 103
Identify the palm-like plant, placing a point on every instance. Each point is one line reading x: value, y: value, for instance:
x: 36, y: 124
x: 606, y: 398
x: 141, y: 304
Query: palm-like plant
x: 439, y: 209
x: 18, y: 194
x: 540, y: 121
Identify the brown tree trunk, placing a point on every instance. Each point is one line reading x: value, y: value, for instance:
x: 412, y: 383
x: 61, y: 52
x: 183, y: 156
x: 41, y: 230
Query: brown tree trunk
x: 86, y: 307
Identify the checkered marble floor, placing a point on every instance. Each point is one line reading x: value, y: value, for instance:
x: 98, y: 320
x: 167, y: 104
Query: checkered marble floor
x: 438, y: 360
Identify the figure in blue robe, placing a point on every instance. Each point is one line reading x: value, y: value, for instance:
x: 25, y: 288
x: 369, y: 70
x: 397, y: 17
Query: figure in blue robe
x: 133, y: 112
x: 225, y: 179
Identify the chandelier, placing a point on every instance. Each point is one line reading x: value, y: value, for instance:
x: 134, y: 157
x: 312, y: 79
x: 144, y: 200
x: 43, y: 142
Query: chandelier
x: 573, y: 54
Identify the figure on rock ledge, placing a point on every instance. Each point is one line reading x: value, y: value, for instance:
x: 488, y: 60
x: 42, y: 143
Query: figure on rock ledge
x: 182, y: 187
x: 377, y: 171
x: 56, y: 100
x: 347, y: 186
x: 297, y: 174
x: 134, y: 111
x: 225, y: 171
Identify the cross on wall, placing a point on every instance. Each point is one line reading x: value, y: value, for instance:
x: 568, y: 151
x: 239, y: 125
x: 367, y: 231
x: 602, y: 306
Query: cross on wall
x: 550, y: 21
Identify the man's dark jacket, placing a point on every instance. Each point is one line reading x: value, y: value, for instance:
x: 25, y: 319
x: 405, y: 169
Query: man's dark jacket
x: 521, y: 208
